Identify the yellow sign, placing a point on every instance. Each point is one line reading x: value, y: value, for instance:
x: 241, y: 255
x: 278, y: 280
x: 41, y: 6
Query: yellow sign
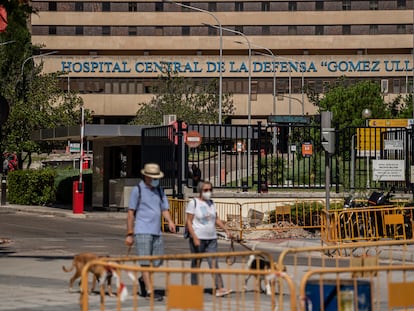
x: 388, y: 122
x: 369, y: 138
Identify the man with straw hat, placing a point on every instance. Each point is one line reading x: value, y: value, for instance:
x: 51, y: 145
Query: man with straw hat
x: 147, y: 203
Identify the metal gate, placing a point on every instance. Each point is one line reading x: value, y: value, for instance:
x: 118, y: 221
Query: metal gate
x: 359, y: 151
x: 276, y: 156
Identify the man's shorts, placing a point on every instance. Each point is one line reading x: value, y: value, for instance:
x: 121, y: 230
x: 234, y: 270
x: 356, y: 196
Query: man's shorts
x: 149, y: 245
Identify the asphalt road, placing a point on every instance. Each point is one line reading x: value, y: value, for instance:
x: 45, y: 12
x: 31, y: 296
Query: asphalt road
x: 63, y: 236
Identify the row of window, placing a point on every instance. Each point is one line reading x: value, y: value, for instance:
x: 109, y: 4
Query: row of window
x: 318, y: 30
x: 234, y: 86
x: 225, y: 6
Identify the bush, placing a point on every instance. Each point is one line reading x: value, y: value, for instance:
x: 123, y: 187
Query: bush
x: 31, y: 187
x: 64, y: 185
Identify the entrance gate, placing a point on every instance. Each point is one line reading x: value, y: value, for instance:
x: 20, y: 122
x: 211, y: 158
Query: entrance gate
x: 276, y: 156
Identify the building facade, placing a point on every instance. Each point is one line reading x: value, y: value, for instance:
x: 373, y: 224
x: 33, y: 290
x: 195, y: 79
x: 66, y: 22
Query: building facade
x: 111, y: 52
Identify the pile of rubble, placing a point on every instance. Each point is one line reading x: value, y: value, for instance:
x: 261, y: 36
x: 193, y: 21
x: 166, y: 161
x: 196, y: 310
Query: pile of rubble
x: 280, y: 230
x: 4, y: 241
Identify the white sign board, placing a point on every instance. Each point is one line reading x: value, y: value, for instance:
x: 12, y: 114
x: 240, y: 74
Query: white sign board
x: 393, y: 144
x: 388, y: 170
x: 74, y: 147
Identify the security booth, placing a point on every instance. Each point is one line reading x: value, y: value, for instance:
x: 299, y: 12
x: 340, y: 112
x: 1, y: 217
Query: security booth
x: 116, y: 160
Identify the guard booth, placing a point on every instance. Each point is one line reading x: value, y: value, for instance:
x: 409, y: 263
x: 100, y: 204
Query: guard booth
x: 119, y: 153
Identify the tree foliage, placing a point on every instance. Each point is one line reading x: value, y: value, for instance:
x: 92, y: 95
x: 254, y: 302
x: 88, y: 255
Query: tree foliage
x: 347, y: 102
x: 190, y: 101
x: 36, y: 101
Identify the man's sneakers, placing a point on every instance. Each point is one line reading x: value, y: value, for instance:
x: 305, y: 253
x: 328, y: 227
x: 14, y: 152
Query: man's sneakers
x: 144, y: 293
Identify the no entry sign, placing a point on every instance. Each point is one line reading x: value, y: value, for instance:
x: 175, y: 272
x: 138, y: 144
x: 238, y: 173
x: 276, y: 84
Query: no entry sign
x: 193, y: 139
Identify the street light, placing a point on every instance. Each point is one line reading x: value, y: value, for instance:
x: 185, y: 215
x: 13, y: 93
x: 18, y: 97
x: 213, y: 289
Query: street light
x: 35, y: 56
x: 220, y: 53
x: 290, y: 82
x: 366, y: 114
x: 249, y: 106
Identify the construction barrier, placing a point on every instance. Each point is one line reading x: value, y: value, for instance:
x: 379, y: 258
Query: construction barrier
x: 172, y: 280
x: 296, y: 262
x: 273, y: 215
x: 368, y: 223
x: 358, y: 288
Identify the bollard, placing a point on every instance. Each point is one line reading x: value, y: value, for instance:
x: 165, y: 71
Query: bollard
x: 3, y: 190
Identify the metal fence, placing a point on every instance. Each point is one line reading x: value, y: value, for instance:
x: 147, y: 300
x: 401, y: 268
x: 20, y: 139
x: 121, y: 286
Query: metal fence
x: 279, y: 156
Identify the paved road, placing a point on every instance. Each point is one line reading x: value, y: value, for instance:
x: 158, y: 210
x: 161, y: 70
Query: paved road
x: 41, y: 241
x: 35, y: 246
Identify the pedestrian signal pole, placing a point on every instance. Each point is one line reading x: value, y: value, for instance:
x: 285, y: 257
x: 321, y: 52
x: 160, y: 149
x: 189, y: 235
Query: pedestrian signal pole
x: 328, y: 144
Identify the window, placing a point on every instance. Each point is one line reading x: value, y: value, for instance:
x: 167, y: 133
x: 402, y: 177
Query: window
x: 132, y: 31
x: 106, y: 6
x: 159, y: 30
x: 401, y: 4
x: 319, y: 6
x: 293, y: 6
x: 132, y: 7
x: 78, y: 6
x: 265, y: 6
x: 319, y: 30
x: 373, y: 4
x: 212, y: 6
x: 396, y: 86
x: 52, y: 6
x: 292, y: 30
x: 401, y: 29
x: 185, y: 31
x: 52, y: 30
x: 212, y: 31
x: 238, y: 6
x: 346, y: 5
x: 159, y: 6
x: 373, y: 29
x: 238, y: 28
x: 106, y: 30
x: 265, y: 30
x: 79, y: 30
x: 253, y: 90
x: 346, y: 30
x: 185, y: 9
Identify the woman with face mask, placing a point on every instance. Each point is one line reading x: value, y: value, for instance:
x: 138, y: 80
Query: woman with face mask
x: 202, y: 220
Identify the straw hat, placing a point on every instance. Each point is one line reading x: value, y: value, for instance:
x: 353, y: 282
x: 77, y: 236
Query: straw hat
x: 152, y: 170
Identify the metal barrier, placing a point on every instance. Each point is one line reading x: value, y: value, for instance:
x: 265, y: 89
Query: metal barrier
x: 369, y: 223
x: 173, y: 281
x: 358, y: 288
x: 296, y: 262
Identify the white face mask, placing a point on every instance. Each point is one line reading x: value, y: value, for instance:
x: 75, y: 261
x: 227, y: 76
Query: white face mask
x: 206, y: 195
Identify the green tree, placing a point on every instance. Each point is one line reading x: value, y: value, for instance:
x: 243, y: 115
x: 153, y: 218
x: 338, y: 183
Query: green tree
x: 190, y: 101
x: 348, y: 101
x: 36, y: 101
x: 402, y: 106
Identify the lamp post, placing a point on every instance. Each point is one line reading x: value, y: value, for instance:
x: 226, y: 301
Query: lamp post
x: 290, y: 82
x: 366, y: 114
x: 249, y: 106
x: 220, y: 52
x: 23, y: 76
x: 250, y: 67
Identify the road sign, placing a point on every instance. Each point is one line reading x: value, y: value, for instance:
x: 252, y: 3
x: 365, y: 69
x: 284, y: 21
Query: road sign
x: 288, y: 119
x: 193, y: 139
x: 389, y: 122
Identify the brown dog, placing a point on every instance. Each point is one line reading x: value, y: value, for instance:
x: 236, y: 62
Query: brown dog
x: 100, y: 273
